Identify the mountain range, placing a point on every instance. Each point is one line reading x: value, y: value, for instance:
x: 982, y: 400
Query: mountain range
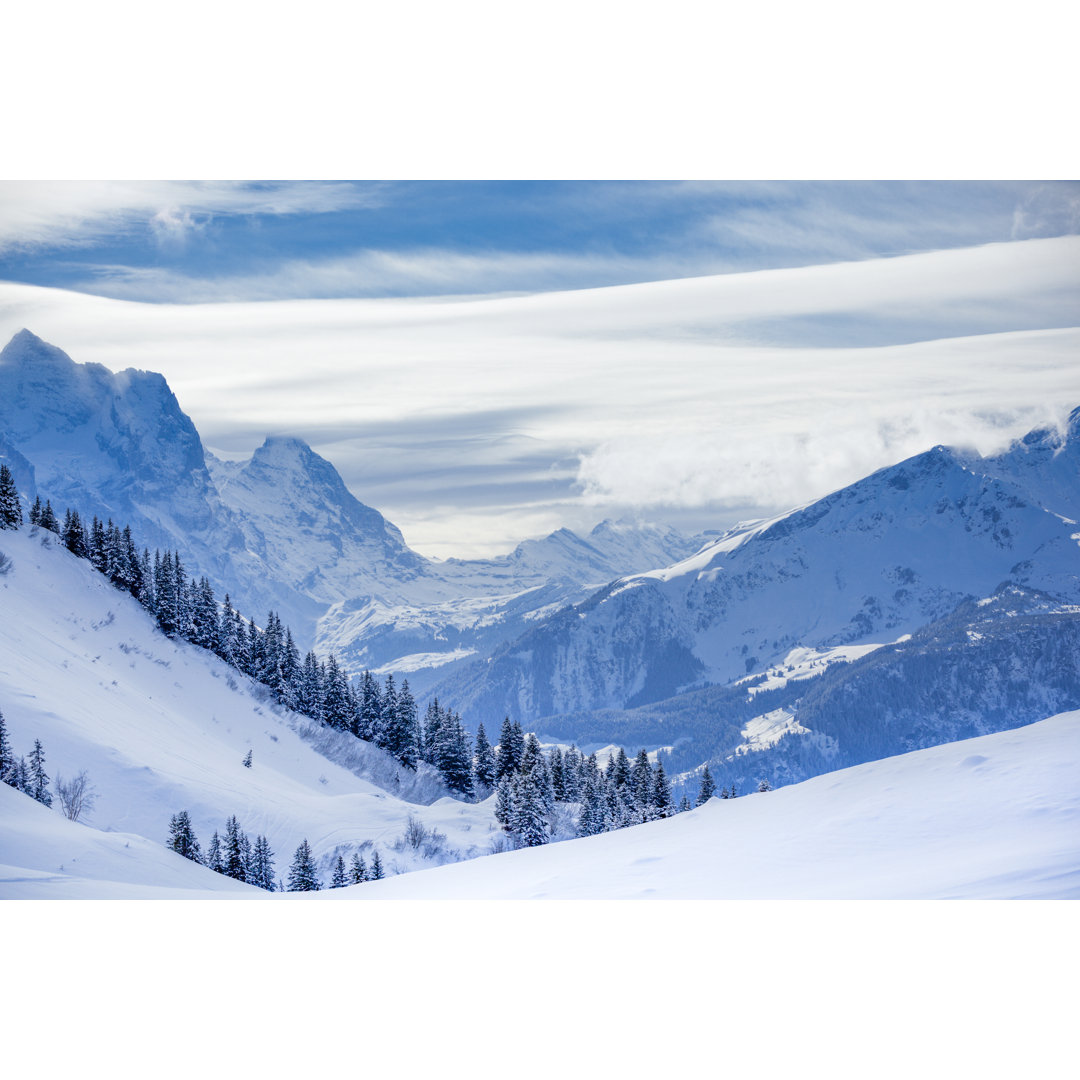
x: 281, y: 531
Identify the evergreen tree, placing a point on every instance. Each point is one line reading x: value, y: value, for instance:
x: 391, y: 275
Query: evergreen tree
x: 73, y: 535
x: 684, y: 804
x: 764, y: 786
x: 483, y: 761
x: 21, y: 775
x: 7, y: 755
x: 11, y: 515
x: 619, y: 769
x: 662, y: 804
x: 381, y: 735
x: 641, y: 783
x: 358, y: 870
x: 48, y: 518
x: 376, y: 868
x: 336, y: 711
x: 309, y: 697
x: 302, y: 874
x: 213, y: 855
x: 528, y: 822
x: 708, y: 787
x: 182, y: 837
x: 233, y: 854
x: 504, y: 802
x: 371, y: 703
x: 572, y: 767
x: 289, y: 692
x: 262, y: 865
x: 97, y: 545
x: 35, y: 511
x: 338, y: 881
x: 247, y: 760
x: 429, y: 739
x: 400, y: 726
x: 593, y: 807
x: 452, y: 756
x: 38, y: 778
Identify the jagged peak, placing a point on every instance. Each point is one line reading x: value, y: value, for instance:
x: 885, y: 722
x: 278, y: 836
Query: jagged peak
x: 26, y: 345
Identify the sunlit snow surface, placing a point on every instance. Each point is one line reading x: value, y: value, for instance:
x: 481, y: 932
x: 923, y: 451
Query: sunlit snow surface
x: 993, y: 817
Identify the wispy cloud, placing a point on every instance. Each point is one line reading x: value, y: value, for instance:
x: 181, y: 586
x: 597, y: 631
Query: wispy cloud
x: 473, y: 423
x: 73, y: 213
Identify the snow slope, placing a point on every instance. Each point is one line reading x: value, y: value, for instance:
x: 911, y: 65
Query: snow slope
x: 993, y: 817
x: 162, y: 726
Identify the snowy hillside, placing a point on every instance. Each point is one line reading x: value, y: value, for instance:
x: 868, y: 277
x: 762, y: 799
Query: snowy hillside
x: 161, y: 726
x: 865, y: 565
x: 994, y: 817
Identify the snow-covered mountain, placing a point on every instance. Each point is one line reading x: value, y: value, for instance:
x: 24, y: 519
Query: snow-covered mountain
x: 281, y: 531
x: 866, y: 564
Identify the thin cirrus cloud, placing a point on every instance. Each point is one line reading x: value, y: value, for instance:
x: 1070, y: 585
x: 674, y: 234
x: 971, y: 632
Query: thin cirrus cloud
x: 76, y: 213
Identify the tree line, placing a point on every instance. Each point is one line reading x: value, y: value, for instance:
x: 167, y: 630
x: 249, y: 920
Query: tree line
x: 234, y: 855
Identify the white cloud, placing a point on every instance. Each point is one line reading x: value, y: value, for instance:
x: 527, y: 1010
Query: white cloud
x: 70, y: 213
x: 654, y: 388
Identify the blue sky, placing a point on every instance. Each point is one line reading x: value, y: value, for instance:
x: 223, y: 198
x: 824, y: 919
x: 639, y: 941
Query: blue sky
x: 205, y: 242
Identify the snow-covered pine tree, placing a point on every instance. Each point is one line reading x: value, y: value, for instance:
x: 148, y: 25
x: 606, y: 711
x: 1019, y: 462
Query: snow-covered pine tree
x: 247, y: 760
x: 11, y: 515
x: 339, y: 881
x: 73, y: 535
x: 572, y: 775
x: 708, y: 787
x: 206, y: 630
x: 528, y: 822
x: 641, y: 784
x: 619, y: 769
x: 233, y: 853
x: 290, y: 672
x: 376, y: 868
x: 483, y: 761
x: 662, y: 805
x: 452, y: 756
x: 38, y: 778
x: 309, y: 698
x: 213, y: 854
x: 96, y: 541
x: 684, y: 804
x: 504, y: 802
x: 262, y: 864
x: 48, y: 518
x: 7, y: 755
x: 358, y: 873
x: 506, y: 763
x: 429, y: 739
x: 182, y: 837
x: 302, y: 874
x: 336, y: 710
x: 371, y: 704
x: 764, y: 786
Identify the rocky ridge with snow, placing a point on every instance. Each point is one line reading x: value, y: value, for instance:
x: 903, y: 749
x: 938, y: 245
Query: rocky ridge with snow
x: 867, y: 564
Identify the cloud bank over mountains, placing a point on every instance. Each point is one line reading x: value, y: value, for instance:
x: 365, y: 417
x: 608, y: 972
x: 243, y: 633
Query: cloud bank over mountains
x: 476, y: 421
